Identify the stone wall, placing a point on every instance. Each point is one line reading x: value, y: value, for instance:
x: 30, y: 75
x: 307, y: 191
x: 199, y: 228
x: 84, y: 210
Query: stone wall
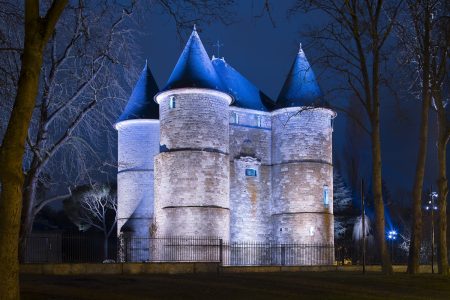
x: 192, y: 172
x: 250, y: 201
x: 138, y: 143
x: 301, y: 173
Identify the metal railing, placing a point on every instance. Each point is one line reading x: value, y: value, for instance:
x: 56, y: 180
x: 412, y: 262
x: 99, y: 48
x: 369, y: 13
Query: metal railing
x: 270, y: 254
x: 77, y: 248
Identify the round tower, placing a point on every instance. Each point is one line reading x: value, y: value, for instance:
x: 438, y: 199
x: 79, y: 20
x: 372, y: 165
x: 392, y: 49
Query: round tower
x: 192, y: 170
x: 138, y: 143
x: 302, y: 174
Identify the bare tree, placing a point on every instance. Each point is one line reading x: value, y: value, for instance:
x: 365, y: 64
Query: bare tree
x: 95, y: 207
x: 439, y: 77
x: 65, y: 100
x: 75, y: 107
x: 424, y: 49
x: 37, y: 31
x: 353, y: 44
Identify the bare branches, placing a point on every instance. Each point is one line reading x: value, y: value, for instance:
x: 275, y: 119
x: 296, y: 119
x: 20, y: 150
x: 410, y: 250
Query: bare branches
x: 94, y: 206
x: 187, y: 13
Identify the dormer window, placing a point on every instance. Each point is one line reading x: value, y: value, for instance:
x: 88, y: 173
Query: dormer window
x: 250, y: 172
x: 171, y: 102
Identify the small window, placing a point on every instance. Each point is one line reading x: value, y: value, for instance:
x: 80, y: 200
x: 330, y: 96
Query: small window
x: 250, y: 172
x: 236, y: 118
x: 326, y: 200
x: 172, y: 102
x: 259, y: 121
x: 311, y: 231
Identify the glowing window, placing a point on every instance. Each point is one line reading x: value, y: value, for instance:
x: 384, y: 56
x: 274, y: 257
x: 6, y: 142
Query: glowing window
x: 326, y: 200
x: 250, y: 172
x: 172, y: 102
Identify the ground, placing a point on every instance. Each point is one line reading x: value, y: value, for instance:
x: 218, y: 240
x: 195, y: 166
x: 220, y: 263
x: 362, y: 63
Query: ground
x: 301, y: 285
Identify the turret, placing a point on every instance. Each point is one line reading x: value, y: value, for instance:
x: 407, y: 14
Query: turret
x: 302, y: 173
x: 192, y: 170
x: 138, y: 143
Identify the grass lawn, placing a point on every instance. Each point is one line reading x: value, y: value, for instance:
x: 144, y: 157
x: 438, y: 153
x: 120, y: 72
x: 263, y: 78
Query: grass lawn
x: 301, y: 285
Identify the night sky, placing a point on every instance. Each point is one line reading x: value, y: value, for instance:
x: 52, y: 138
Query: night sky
x: 264, y: 53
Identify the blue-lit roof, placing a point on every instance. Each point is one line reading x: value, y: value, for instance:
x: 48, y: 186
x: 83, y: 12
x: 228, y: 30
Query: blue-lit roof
x: 194, y: 69
x: 300, y: 87
x: 141, y: 104
x: 245, y: 93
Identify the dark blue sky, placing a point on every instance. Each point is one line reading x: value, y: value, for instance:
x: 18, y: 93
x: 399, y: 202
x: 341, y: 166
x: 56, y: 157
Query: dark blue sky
x: 264, y: 53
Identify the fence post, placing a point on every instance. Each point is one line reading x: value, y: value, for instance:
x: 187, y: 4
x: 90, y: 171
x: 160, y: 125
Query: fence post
x: 221, y: 252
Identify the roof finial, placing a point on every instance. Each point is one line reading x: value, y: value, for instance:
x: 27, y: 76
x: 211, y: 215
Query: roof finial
x: 195, y: 27
x: 146, y: 63
x: 218, y: 45
x: 300, y: 48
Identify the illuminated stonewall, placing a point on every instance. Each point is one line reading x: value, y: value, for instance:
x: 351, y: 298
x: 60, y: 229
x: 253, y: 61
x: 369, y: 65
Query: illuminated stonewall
x: 210, y: 155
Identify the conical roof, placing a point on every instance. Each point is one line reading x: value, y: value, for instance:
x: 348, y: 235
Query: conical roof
x: 194, y: 69
x: 245, y: 93
x: 300, y: 87
x: 141, y: 104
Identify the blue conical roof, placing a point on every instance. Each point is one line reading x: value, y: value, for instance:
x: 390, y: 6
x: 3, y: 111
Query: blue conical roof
x: 194, y: 69
x: 300, y: 87
x: 245, y: 93
x: 141, y: 104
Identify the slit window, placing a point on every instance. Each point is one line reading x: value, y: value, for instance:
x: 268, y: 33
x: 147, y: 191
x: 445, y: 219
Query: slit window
x: 259, y: 121
x: 172, y: 103
x: 250, y: 172
x: 236, y: 118
x: 326, y: 200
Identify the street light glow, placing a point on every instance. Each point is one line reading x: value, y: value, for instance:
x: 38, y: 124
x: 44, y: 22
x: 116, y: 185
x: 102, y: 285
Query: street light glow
x: 392, y: 235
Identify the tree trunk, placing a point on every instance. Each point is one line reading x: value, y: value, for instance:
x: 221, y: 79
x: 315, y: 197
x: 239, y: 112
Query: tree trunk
x: 27, y: 217
x: 105, y: 247
x: 378, y: 194
x: 416, y: 232
x: 37, y: 32
x: 443, y: 192
x: 11, y: 174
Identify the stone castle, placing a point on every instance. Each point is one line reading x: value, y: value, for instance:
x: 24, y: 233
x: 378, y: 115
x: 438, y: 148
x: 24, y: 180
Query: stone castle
x: 212, y: 155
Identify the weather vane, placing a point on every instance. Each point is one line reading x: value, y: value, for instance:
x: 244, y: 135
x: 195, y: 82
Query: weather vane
x: 218, y: 45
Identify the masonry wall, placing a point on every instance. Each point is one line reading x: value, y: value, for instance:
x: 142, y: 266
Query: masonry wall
x: 138, y: 143
x: 250, y: 201
x: 192, y: 171
x: 301, y: 172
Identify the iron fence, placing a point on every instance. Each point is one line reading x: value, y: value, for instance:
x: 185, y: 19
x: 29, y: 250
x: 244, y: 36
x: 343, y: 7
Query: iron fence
x: 73, y: 248
x: 270, y: 254
x: 84, y: 248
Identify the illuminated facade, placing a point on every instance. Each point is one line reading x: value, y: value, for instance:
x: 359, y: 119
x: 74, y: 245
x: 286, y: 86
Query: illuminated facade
x: 211, y: 155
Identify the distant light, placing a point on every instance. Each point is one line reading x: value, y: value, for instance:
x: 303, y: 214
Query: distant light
x: 427, y: 207
x: 392, y: 235
x: 435, y: 208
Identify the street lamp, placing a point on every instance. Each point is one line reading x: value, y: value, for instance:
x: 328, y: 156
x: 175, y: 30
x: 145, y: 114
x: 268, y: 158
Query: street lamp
x: 431, y: 206
x: 392, y: 236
